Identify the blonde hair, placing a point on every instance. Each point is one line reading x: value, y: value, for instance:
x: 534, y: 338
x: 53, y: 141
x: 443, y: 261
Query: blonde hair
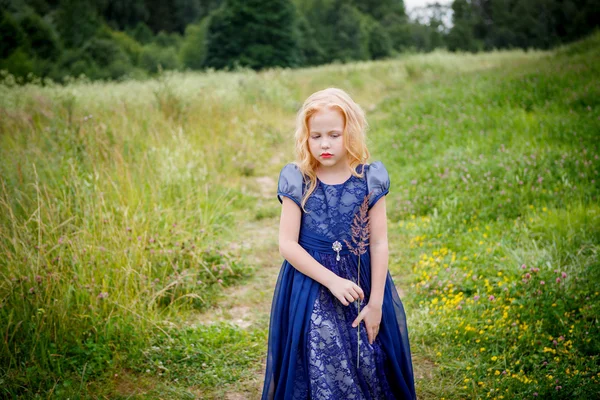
x: 355, y: 126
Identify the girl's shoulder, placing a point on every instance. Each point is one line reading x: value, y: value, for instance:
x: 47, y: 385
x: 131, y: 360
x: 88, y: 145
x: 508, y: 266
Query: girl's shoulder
x: 290, y: 183
x: 375, y: 172
x: 378, y: 181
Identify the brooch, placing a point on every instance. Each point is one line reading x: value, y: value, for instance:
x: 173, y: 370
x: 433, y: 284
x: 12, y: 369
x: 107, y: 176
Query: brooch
x: 337, y: 246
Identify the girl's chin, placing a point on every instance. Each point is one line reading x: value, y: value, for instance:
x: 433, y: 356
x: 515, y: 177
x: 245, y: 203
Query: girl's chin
x: 327, y: 161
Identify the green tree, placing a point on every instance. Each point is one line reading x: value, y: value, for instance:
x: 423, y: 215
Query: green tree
x: 380, y: 44
x: 352, y: 34
x: 123, y: 14
x: 77, y: 21
x: 461, y: 35
x: 193, y: 47
x: 311, y: 52
x: 340, y: 29
x: 253, y: 33
x: 142, y: 33
x: 379, y: 9
x: 11, y: 33
x: 42, y: 40
x: 398, y: 30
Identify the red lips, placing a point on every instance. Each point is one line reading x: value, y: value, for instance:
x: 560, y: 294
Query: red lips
x: 326, y: 155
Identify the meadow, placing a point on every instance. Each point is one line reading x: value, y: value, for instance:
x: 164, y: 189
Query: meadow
x: 138, y: 224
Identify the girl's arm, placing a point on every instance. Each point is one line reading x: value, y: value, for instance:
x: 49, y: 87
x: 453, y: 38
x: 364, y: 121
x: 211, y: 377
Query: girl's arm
x: 378, y: 244
x: 289, y: 229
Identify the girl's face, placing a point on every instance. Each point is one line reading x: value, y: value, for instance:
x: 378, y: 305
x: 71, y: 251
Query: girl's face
x: 326, y: 140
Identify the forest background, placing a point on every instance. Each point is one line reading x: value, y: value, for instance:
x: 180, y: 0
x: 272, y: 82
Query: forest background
x: 115, y: 39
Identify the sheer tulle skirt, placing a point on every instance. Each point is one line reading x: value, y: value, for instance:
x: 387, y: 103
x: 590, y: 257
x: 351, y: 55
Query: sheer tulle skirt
x: 312, y: 349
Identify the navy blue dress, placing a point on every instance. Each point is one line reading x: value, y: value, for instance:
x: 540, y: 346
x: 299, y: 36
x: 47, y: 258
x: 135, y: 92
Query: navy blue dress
x: 312, y: 349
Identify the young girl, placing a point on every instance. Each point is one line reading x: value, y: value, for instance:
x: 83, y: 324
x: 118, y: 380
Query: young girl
x: 313, y: 350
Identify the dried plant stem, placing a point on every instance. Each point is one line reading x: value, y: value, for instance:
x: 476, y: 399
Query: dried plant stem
x: 358, y: 327
x: 360, y: 238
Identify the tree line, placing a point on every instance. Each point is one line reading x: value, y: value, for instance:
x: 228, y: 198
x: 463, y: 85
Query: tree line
x: 114, y: 39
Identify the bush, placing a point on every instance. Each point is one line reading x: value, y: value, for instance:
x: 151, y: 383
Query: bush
x: 164, y: 39
x: 142, y: 33
x: 18, y: 63
x: 127, y: 43
x: 154, y: 56
x: 193, y: 47
x: 104, y: 51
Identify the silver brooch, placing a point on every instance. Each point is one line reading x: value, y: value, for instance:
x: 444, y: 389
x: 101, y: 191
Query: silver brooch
x: 337, y: 246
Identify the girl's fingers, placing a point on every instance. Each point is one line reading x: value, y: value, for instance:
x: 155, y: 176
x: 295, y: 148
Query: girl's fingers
x: 359, y: 318
x: 360, y: 292
x: 349, y: 297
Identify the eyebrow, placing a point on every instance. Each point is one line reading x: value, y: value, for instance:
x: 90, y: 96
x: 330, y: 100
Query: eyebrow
x: 335, y: 130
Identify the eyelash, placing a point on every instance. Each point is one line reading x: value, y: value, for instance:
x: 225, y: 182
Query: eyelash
x: 335, y: 135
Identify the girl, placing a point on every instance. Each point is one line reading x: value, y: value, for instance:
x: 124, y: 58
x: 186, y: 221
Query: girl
x: 320, y: 345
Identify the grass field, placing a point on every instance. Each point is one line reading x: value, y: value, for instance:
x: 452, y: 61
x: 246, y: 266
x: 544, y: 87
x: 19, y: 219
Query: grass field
x: 138, y: 224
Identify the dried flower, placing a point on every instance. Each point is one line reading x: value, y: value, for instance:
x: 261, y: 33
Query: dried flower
x: 360, y: 229
x: 360, y: 238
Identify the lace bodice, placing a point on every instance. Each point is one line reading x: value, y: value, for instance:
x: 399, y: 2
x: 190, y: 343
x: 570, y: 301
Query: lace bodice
x: 330, y: 209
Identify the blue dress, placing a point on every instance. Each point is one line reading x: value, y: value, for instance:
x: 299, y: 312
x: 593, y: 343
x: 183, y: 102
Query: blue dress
x: 312, y: 349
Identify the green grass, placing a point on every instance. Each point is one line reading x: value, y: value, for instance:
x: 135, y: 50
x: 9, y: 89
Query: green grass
x: 496, y: 178
x: 120, y: 204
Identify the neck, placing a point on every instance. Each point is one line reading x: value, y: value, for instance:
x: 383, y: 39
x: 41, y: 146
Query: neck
x: 338, y: 169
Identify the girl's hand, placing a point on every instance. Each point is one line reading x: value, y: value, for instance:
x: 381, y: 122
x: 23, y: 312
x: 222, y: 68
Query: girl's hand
x: 345, y: 290
x: 372, y: 316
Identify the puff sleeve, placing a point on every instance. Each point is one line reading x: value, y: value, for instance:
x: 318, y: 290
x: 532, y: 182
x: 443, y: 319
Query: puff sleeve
x: 378, y: 181
x: 290, y: 183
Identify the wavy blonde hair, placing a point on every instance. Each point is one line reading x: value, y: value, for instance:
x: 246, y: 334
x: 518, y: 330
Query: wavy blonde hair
x: 355, y: 127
